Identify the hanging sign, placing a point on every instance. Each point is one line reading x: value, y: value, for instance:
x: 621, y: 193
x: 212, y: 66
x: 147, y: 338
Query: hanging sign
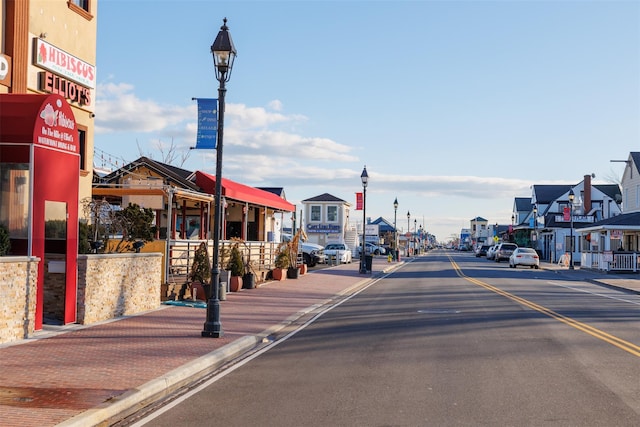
x: 359, y: 201
x: 206, y: 138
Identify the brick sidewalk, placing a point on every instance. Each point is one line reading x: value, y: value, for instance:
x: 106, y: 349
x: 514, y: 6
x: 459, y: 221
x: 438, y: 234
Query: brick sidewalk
x: 47, y: 381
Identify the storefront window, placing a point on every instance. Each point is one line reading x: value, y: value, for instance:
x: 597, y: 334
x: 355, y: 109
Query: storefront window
x: 14, y: 200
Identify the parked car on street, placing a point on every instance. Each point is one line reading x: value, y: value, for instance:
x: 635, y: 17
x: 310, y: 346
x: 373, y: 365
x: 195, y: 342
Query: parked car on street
x: 524, y: 256
x: 340, y: 251
x: 371, y: 249
x: 491, y: 252
x: 482, y: 250
x: 312, y: 254
x: 504, y: 251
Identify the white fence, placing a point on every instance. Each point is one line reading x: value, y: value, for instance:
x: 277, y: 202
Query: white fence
x: 610, y: 261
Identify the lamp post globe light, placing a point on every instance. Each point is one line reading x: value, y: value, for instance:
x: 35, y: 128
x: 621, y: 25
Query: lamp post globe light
x: 224, y: 53
x: 364, y: 177
x: 571, y: 198
x: 395, y: 229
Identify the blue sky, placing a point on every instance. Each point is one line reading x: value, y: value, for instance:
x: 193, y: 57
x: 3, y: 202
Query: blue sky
x: 455, y: 107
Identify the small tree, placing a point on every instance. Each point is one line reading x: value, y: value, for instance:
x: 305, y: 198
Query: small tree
x: 84, y: 246
x: 134, y: 223
x: 201, y: 268
x: 5, y: 243
x: 235, y: 265
x: 282, y: 258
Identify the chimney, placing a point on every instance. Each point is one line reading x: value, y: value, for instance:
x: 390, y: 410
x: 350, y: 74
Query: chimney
x: 587, y: 194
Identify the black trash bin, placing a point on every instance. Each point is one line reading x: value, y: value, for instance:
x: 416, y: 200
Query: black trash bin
x: 368, y: 262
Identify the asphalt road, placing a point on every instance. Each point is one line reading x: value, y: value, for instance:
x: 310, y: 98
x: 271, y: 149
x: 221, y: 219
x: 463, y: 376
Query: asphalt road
x: 446, y: 340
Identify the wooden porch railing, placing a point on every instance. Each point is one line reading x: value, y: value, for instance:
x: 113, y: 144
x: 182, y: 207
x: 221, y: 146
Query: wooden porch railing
x: 260, y: 256
x: 611, y: 261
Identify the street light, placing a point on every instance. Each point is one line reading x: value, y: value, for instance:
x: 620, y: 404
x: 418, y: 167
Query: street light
x: 409, y: 233
x: 535, y: 226
x: 364, y: 177
x: 571, y: 197
x: 224, y: 53
x: 395, y: 229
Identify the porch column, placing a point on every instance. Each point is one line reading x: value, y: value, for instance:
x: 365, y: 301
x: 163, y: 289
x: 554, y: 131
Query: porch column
x: 243, y: 227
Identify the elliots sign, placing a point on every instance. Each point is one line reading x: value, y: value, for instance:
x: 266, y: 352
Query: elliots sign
x: 55, y: 126
x: 69, y: 76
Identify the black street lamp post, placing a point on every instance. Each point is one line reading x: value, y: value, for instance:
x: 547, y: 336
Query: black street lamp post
x: 224, y: 53
x: 408, y: 232
x: 395, y: 229
x: 571, y: 197
x: 365, y: 179
x: 534, y: 236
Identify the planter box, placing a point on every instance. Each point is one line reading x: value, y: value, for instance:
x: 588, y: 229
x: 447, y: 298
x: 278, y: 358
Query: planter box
x: 279, y: 274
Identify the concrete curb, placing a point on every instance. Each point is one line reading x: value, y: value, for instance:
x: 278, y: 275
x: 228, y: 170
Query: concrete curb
x: 135, y: 399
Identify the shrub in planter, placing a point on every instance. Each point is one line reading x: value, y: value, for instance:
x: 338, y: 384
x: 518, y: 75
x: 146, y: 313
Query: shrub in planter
x: 201, y: 269
x: 281, y: 263
x: 236, y: 267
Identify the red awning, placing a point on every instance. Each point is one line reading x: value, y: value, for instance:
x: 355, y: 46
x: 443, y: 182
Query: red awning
x: 243, y: 193
x: 46, y: 120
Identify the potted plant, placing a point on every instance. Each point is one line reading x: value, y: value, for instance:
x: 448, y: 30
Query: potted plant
x: 292, y: 249
x: 248, y: 279
x: 236, y: 267
x: 200, y: 273
x: 303, y: 268
x: 281, y: 263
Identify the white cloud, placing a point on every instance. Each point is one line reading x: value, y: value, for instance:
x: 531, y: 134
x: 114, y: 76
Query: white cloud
x: 261, y: 149
x: 243, y: 117
x: 275, y: 105
x: 118, y: 109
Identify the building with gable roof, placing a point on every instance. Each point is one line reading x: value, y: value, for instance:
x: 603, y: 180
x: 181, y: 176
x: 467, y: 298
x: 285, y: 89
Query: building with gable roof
x: 547, y: 225
x: 613, y: 243
x: 327, y: 221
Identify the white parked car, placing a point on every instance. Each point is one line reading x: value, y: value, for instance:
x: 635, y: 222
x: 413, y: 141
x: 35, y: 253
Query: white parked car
x: 312, y: 254
x: 524, y: 256
x: 340, y: 251
x: 371, y: 249
x: 491, y: 252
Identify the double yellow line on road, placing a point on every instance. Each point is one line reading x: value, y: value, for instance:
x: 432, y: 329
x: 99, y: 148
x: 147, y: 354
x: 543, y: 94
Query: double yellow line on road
x: 597, y: 333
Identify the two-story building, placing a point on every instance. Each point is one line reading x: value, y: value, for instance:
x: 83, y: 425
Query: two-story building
x: 327, y: 220
x: 479, y: 231
x: 47, y: 100
x: 554, y: 219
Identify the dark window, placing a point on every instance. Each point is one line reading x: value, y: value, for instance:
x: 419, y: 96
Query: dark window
x: 82, y: 4
x: 81, y: 7
x: 82, y: 143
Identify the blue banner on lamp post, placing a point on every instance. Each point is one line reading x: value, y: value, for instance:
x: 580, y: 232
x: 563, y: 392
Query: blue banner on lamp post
x: 207, y: 123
